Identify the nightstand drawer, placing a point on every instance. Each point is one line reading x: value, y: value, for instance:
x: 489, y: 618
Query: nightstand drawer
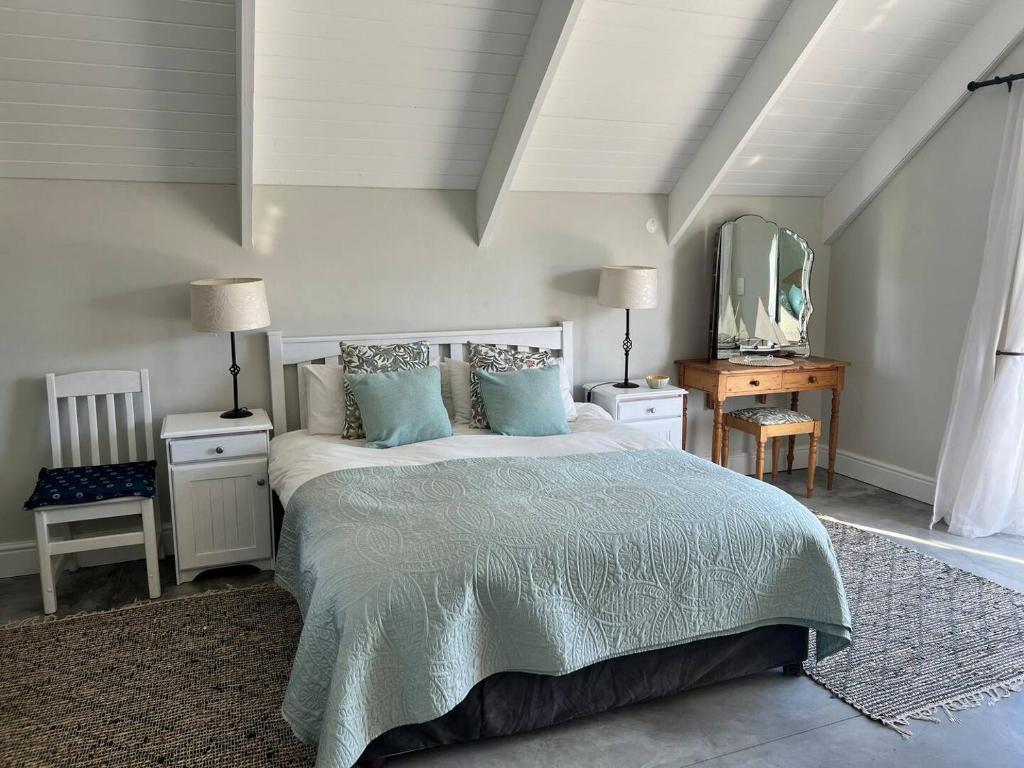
x: 655, y: 408
x: 223, y: 447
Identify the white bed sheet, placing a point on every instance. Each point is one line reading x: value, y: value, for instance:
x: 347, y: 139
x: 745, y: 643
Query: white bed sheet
x: 296, y: 457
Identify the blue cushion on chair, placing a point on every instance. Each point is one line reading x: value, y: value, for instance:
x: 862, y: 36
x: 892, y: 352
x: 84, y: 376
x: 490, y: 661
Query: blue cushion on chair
x: 83, y: 485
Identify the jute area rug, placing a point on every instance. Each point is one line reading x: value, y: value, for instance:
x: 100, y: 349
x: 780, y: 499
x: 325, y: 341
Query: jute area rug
x: 198, y: 682
x: 927, y: 638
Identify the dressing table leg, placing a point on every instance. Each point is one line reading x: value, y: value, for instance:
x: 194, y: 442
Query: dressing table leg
x: 725, y: 447
x: 833, y: 436
x: 776, y: 450
x: 794, y: 404
x: 716, y: 434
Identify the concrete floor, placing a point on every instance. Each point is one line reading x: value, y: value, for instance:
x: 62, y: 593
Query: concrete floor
x: 764, y: 720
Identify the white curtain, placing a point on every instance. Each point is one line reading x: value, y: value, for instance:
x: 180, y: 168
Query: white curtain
x: 980, y: 484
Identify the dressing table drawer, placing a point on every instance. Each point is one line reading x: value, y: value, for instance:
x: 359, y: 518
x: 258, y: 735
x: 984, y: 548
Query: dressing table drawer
x: 801, y: 381
x: 754, y: 383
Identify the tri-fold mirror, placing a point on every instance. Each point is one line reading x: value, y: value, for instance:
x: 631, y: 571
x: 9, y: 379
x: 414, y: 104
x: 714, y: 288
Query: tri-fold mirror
x: 761, y: 299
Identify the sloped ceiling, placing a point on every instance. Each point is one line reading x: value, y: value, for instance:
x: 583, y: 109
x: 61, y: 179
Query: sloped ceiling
x: 389, y: 93
x: 138, y: 90
x: 640, y: 86
x: 412, y: 93
x: 866, y: 67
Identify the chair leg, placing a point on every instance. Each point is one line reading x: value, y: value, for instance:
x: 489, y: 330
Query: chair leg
x: 776, y: 451
x: 760, y: 458
x: 812, y: 460
x: 46, y: 579
x: 149, y: 536
x: 725, y: 445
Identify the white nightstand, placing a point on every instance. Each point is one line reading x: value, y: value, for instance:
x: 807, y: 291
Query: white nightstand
x: 653, y: 410
x: 220, y: 494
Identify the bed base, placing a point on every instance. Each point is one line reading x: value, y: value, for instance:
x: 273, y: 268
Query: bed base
x: 516, y: 702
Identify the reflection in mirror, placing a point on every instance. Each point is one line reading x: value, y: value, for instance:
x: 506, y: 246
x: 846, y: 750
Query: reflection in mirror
x: 761, y: 299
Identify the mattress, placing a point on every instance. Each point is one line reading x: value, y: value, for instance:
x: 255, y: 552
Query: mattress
x: 297, y: 457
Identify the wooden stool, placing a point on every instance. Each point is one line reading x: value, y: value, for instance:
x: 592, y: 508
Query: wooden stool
x: 776, y: 423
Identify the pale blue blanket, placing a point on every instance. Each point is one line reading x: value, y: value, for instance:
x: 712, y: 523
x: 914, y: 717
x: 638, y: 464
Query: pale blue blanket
x: 418, y: 582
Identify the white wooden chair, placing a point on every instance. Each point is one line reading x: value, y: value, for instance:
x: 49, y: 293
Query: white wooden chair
x: 90, y: 386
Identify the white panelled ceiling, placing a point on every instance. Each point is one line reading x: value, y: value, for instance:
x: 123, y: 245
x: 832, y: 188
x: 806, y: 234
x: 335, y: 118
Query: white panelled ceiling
x: 640, y: 85
x: 383, y: 93
x: 620, y: 96
x: 139, y: 90
x: 865, y: 68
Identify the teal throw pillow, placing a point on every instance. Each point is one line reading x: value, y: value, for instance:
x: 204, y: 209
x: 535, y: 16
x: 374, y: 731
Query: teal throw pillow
x: 526, y: 403
x: 400, y: 407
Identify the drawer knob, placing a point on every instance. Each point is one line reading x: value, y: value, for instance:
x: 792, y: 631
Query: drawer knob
x: 218, y: 449
x: 651, y: 410
x: 261, y: 482
x: 812, y: 379
x: 755, y: 382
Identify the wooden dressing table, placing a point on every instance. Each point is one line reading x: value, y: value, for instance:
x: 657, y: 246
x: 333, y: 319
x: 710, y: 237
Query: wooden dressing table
x: 720, y: 380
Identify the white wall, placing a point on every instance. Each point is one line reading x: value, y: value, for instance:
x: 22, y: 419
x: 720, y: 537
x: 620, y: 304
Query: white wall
x: 95, y: 275
x: 903, y: 278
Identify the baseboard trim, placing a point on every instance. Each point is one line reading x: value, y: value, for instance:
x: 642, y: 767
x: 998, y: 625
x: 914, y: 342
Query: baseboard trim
x: 899, y: 480
x: 21, y: 558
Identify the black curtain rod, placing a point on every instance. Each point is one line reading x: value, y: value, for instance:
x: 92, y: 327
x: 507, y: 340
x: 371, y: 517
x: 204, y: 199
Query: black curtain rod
x: 1007, y: 79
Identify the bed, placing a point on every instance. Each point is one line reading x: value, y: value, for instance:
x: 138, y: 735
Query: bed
x: 481, y: 585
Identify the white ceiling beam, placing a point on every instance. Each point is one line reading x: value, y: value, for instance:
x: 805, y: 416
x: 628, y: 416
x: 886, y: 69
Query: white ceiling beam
x: 544, y: 49
x: 988, y: 42
x: 794, y: 37
x: 245, y: 54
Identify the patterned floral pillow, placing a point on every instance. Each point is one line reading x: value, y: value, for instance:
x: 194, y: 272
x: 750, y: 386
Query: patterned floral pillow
x: 487, y: 357
x: 357, y: 358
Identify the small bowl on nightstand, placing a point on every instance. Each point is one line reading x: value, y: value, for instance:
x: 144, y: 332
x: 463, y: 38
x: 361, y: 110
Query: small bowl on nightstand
x: 657, y: 380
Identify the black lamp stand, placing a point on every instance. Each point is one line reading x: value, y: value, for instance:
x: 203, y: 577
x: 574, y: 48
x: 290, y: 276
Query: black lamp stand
x: 627, y: 344
x: 234, y: 370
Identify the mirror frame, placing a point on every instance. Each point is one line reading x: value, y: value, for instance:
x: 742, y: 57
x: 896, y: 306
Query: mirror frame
x: 800, y: 348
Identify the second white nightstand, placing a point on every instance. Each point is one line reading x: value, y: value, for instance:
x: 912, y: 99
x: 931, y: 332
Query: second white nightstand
x: 220, y: 493
x: 653, y: 410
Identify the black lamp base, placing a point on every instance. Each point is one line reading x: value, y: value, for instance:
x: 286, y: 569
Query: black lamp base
x: 625, y: 385
x: 236, y: 413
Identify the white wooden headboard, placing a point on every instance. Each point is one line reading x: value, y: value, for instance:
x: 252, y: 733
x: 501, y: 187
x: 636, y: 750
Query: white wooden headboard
x: 292, y: 351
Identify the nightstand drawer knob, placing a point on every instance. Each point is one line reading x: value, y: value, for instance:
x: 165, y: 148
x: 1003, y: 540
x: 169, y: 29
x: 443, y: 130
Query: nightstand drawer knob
x: 261, y: 482
x: 651, y: 410
x: 218, y: 449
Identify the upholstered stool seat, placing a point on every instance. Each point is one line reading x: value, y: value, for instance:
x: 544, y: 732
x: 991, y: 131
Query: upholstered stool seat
x: 763, y: 422
x: 770, y: 416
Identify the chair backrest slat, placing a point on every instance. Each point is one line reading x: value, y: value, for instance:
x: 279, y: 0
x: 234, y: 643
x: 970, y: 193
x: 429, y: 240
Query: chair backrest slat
x: 76, y: 447
x: 92, y: 385
x: 94, y: 429
x: 147, y: 415
x: 112, y: 428
x: 129, y: 425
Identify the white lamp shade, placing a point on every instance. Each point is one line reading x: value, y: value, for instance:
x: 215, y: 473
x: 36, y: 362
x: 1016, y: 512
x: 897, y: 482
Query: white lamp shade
x: 221, y: 304
x: 628, y: 287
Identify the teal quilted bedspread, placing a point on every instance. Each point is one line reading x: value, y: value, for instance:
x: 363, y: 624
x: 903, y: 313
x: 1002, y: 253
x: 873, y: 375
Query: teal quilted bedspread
x: 417, y: 582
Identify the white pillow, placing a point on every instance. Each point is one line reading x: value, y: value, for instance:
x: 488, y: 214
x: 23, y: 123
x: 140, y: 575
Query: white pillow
x: 455, y: 375
x: 325, y: 398
x: 446, y: 393
x: 566, y: 386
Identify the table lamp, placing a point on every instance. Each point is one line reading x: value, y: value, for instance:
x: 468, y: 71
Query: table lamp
x: 230, y: 304
x: 628, y: 288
